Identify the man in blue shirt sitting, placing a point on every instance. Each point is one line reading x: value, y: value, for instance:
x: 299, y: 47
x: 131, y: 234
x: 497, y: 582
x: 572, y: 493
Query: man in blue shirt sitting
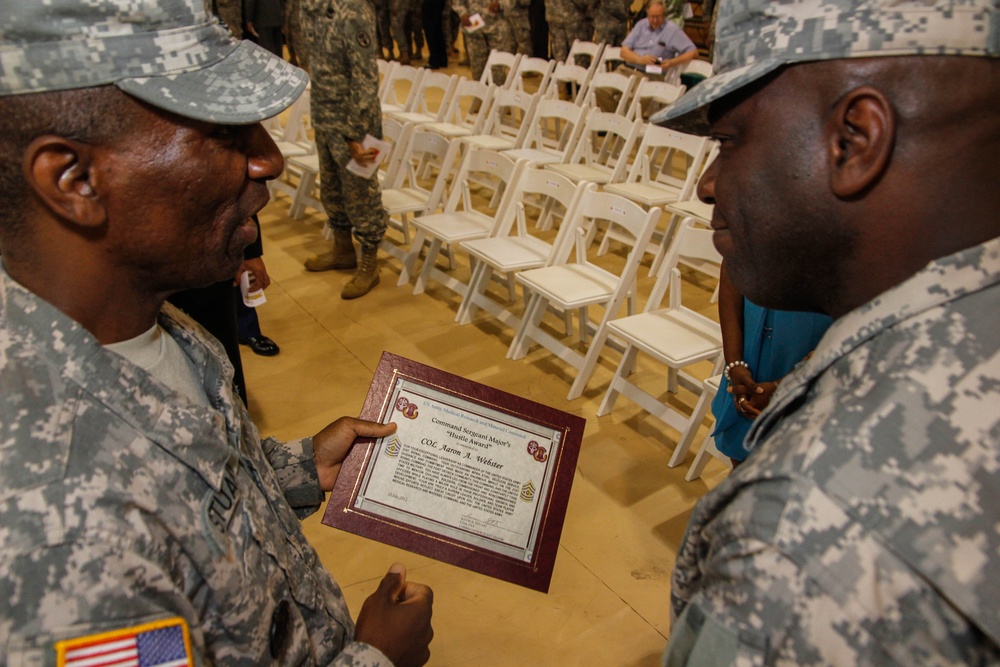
x: 654, y: 41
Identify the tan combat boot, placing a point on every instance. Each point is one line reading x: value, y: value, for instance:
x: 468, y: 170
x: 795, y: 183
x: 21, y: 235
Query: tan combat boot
x: 366, y: 277
x: 341, y: 257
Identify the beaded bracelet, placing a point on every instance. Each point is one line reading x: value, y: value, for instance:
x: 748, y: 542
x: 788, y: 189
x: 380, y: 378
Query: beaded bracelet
x: 733, y: 365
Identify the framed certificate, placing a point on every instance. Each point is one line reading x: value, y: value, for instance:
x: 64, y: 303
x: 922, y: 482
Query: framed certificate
x: 473, y: 476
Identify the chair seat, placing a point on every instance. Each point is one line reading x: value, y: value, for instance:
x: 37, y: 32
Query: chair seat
x: 403, y: 200
x: 449, y: 130
x: 693, y: 207
x: 510, y: 253
x: 411, y: 117
x: 388, y: 107
x: 646, y: 193
x: 582, y: 172
x: 570, y: 285
x: 292, y: 149
x: 670, y: 335
x: 535, y: 155
x: 455, y: 226
x: 490, y: 142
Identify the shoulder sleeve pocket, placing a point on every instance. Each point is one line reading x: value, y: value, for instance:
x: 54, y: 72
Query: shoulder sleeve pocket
x: 699, y: 640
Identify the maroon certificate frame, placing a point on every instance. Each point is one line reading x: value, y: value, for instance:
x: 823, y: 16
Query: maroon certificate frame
x: 474, y: 476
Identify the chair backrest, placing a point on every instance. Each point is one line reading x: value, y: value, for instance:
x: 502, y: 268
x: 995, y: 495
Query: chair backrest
x: 540, y: 68
x: 397, y: 134
x: 584, y: 54
x: 499, y: 69
x: 651, y: 96
x: 469, y: 106
x: 424, y: 166
x: 385, y: 68
x: 702, y: 67
x: 295, y: 128
x: 403, y: 82
x: 607, y: 139
x: 611, y: 57
x: 434, y: 94
x: 511, y: 114
x: 575, y: 77
x: 594, y: 206
x: 555, y: 125
x: 671, y: 159
x: 611, y: 80
x: 484, y: 168
x: 693, y: 246
x: 550, y: 193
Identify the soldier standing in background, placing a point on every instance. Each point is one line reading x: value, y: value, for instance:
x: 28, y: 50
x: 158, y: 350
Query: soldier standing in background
x: 340, y: 39
x: 495, y: 34
x: 558, y: 15
x: 611, y: 21
x: 293, y: 34
x: 516, y: 12
x: 398, y: 12
x: 415, y: 29
x: 384, y: 30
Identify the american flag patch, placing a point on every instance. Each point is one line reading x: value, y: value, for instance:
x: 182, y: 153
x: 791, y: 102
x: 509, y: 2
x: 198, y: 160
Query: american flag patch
x: 159, y: 644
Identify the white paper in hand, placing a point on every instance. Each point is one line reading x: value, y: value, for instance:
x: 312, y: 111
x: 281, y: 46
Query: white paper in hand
x: 382, y: 150
x: 476, y: 22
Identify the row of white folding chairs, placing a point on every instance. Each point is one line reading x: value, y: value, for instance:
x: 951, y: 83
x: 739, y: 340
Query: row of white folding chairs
x: 560, y: 275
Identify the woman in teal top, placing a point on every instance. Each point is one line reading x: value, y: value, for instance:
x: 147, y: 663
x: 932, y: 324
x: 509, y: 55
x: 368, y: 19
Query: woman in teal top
x: 761, y: 346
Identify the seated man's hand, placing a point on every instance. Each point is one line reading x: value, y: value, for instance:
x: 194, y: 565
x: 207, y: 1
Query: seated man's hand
x: 396, y: 619
x: 330, y: 446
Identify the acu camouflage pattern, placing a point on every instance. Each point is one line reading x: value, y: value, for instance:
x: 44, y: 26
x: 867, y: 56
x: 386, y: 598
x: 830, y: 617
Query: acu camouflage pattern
x: 863, y: 528
x: 611, y: 21
x: 173, y: 54
x: 496, y: 34
x: 122, y: 502
x: 340, y: 38
x: 755, y: 37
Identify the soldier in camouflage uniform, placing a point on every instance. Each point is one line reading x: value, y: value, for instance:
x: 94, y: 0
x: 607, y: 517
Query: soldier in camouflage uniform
x: 559, y: 14
x: 516, y: 12
x: 857, y: 177
x: 495, y: 34
x: 611, y: 21
x: 384, y: 26
x: 399, y: 10
x: 340, y: 39
x: 138, y: 505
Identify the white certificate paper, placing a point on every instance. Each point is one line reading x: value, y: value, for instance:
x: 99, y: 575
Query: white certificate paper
x: 472, y: 476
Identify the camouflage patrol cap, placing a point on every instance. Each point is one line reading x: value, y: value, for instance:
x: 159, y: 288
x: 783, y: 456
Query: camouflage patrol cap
x: 173, y: 54
x: 756, y: 37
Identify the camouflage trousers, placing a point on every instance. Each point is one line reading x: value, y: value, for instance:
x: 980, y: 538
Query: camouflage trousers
x: 612, y: 33
x: 560, y: 40
x: 520, y: 27
x: 478, y: 44
x: 351, y: 202
x: 383, y: 25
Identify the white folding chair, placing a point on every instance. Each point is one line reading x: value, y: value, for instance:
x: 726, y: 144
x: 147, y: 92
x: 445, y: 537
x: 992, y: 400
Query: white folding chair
x: 467, y: 110
x: 385, y: 68
x: 665, y: 170
x: 419, y: 186
x: 651, y: 96
x: 573, y: 282
x: 533, y: 68
x: 461, y: 220
x: 553, y: 131
x: 707, y: 449
x: 430, y: 100
x: 292, y: 137
x: 674, y: 336
x: 602, y: 149
x: 510, y: 247
x: 611, y: 57
x: 585, y: 54
x: 503, y: 62
x: 571, y: 79
x: 400, y: 86
x: 611, y: 83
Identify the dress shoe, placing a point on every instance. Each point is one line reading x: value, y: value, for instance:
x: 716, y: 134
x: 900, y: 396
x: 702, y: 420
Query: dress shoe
x: 261, y: 345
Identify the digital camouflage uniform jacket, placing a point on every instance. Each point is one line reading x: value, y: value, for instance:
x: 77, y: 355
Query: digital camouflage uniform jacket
x: 863, y: 529
x: 122, y: 503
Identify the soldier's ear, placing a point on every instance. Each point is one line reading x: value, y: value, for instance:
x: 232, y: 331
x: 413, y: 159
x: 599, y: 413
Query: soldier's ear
x: 861, y: 133
x: 59, y: 171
